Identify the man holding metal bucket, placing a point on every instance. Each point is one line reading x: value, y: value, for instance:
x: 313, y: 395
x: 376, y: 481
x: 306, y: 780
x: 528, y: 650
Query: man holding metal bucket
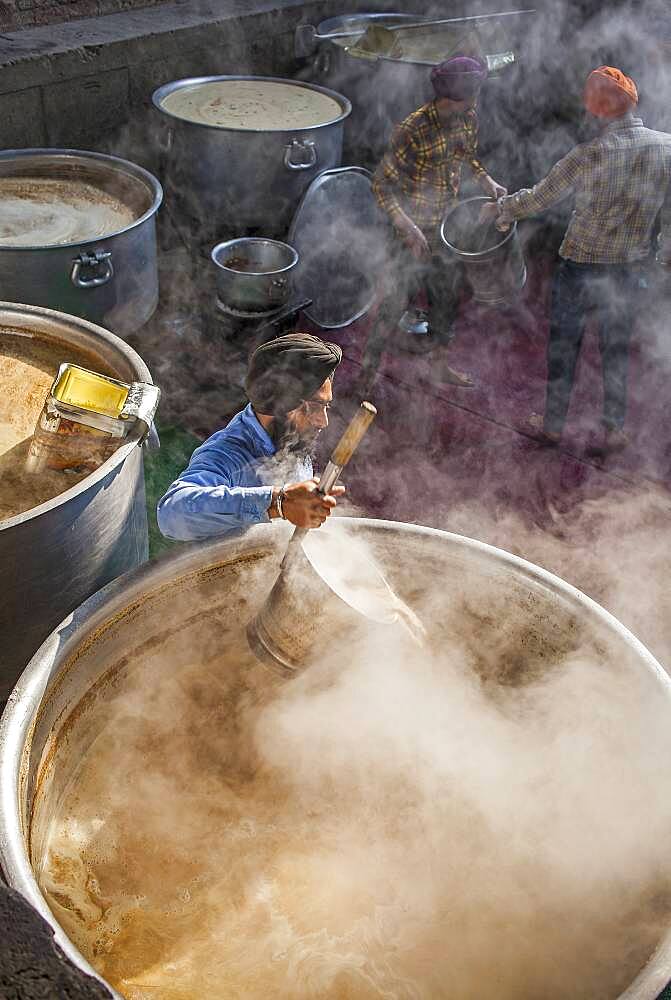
x: 235, y: 479
x: 621, y: 180
x: 416, y: 183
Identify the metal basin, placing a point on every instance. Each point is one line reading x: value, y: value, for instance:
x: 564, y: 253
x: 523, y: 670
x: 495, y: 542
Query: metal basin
x: 62, y: 537
x: 253, y: 274
x: 111, y: 279
x: 519, y: 629
x: 493, y: 261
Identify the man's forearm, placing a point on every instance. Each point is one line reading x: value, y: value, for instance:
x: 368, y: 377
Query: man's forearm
x: 189, y: 511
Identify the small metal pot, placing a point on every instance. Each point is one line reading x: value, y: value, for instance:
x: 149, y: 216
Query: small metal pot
x: 493, y: 261
x: 254, y: 274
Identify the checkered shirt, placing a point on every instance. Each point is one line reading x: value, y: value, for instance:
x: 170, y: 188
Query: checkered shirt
x: 420, y: 173
x: 621, y: 180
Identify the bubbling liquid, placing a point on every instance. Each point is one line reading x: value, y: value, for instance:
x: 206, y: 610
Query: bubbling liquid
x: 226, y: 837
x: 28, y: 366
x: 41, y: 211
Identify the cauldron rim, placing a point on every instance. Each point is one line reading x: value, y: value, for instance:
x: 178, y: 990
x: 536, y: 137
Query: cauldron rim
x: 166, y: 89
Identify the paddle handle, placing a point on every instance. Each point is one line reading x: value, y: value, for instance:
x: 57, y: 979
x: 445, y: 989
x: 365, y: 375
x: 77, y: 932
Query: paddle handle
x: 343, y: 451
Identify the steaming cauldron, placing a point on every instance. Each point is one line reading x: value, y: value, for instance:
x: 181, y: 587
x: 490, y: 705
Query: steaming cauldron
x: 518, y: 627
x: 62, y: 535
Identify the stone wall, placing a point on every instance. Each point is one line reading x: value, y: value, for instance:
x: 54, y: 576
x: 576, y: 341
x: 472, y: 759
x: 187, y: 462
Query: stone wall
x: 28, y: 13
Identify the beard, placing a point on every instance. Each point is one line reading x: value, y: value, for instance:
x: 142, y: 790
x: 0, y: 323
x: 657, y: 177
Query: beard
x: 289, y: 442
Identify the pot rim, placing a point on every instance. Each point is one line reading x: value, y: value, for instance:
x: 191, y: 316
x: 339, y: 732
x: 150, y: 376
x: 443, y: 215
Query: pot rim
x: 473, y: 254
x: 130, y: 443
x: 190, y: 81
x: 17, y: 720
x: 218, y: 250
x: 126, y: 166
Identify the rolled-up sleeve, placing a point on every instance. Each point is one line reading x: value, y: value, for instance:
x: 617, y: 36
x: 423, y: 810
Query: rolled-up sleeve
x: 194, y: 508
x: 218, y: 492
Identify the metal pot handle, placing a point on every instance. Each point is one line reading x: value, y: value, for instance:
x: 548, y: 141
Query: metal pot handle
x: 100, y: 263
x: 323, y: 61
x: 277, y: 288
x: 306, y: 146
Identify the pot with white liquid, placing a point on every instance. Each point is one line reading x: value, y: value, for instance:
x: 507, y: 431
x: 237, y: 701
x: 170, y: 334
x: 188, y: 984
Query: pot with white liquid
x: 241, y: 150
x: 492, y: 808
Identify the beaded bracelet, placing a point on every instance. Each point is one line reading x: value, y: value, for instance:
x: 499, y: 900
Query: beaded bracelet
x: 279, y: 503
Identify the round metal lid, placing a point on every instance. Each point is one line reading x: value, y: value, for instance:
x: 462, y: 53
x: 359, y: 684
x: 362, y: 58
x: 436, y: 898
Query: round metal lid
x: 340, y: 235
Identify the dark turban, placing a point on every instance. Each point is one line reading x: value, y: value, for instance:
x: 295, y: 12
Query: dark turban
x: 609, y: 93
x: 288, y: 370
x: 458, y: 78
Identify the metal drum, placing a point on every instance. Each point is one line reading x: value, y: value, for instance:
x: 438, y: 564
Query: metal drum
x: 62, y: 535
x: 493, y: 261
x: 231, y: 179
x: 93, y: 692
x: 111, y: 277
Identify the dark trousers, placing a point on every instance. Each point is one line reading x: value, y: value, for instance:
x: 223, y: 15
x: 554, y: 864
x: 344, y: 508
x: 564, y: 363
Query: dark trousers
x: 404, y: 277
x: 612, y: 291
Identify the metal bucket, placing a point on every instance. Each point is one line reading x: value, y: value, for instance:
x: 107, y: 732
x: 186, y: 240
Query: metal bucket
x: 493, y: 261
x: 254, y: 274
x: 195, y: 601
x: 62, y: 537
x: 111, y: 280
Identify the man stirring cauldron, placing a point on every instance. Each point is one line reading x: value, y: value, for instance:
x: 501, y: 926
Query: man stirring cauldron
x: 416, y: 183
x: 235, y: 478
x: 621, y: 180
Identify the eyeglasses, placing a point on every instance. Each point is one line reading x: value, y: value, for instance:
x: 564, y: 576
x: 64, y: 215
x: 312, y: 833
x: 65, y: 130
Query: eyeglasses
x: 315, y: 406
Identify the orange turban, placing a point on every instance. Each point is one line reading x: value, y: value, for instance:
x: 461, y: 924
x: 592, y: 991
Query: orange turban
x: 609, y: 93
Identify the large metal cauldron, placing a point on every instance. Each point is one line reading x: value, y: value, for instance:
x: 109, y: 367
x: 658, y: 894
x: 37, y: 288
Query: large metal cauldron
x: 57, y: 553
x: 111, y: 280
x: 190, y: 604
x: 493, y: 261
x: 231, y: 180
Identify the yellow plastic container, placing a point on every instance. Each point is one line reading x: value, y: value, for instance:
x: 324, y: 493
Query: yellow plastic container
x: 80, y: 387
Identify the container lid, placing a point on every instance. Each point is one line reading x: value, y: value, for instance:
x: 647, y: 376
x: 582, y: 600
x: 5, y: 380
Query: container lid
x: 341, y: 239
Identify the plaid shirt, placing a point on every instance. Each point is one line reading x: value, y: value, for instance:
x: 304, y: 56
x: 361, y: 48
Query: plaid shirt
x: 621, y: 180
x: 420, y: 173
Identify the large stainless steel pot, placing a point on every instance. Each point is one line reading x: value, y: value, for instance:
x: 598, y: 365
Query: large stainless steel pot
x: 112, y: 280
x: 57, y: 553
x: 191, y: 601
x: 254, y: 274
x: 235, y: 179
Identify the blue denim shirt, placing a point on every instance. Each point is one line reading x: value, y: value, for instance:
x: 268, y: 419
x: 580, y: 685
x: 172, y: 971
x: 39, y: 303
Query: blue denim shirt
x: 228, y: 484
